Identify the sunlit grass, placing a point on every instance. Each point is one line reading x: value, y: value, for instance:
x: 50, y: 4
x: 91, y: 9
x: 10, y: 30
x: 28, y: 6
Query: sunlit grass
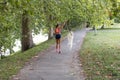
x: 100, y: 55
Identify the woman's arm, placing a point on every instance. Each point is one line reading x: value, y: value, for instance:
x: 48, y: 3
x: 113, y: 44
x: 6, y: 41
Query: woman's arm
x: 63, y: 25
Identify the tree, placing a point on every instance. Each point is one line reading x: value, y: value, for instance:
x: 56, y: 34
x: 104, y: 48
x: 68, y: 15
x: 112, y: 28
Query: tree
x: 115, y: 9
x: 27, y: 11
x: 20, y: 18
x: 27, y: 41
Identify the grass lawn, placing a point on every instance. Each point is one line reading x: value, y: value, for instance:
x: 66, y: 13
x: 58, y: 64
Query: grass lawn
x: 100, y: 55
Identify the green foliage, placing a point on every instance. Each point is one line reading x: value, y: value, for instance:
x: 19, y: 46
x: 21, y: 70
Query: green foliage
x: 117, y: 20
x: 11, y: 19
x: 115, y: 10
x: 44, y: 14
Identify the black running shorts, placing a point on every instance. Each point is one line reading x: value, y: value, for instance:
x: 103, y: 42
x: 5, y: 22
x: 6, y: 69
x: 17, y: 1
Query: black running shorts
x: 57, y: 36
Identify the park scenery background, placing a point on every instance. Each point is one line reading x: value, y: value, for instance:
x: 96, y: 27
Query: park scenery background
x: 100, y: 54
x: 22, y: 20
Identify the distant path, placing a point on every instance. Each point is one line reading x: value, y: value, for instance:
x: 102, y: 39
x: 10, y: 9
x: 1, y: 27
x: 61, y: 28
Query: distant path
x: 50, y: 65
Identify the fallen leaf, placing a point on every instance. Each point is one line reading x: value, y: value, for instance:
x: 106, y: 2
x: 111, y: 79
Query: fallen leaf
x: 98, y: 72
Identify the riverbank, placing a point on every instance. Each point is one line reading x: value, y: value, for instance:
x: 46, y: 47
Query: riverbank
x: 13, y: 63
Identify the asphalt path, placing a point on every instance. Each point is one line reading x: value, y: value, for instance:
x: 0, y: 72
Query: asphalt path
x: 49, y: 65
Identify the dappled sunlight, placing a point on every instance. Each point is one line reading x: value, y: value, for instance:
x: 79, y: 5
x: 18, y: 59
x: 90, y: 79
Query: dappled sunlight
x: 100, y: 55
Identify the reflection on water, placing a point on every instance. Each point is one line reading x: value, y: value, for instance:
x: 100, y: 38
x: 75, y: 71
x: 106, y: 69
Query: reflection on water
x: 36, y: 39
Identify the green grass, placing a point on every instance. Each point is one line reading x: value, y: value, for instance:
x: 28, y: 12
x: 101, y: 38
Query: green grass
x: 12, y: 64
x: 100, y: 55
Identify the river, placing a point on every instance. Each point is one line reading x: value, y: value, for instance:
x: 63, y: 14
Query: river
x: 37, y: 39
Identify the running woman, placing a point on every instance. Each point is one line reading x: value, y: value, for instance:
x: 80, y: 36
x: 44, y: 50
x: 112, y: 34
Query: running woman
x: 58, y: 37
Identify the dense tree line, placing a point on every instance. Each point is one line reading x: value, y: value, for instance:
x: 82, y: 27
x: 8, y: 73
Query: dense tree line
x: 20, y: 18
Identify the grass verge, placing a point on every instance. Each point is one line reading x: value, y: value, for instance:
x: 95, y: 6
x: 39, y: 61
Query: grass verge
x: 12, y: 64
x: 100, y: 55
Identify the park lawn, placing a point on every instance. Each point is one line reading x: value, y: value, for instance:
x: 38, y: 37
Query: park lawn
x: 100, y: 55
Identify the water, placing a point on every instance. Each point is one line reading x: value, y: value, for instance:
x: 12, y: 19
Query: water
x: 36, y: 39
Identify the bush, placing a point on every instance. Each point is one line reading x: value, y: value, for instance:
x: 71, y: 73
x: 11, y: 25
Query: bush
x: 117, y: 20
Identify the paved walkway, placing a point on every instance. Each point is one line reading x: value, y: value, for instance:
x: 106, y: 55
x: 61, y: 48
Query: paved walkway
x: 50, y: 65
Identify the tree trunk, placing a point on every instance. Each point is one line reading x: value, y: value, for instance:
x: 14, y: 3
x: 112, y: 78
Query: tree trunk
x: 95, y: 30
x: 26, y: 40
x: 51, y: 31
x: 88, y: 24
x: 102, y: 27
x: 11, y: 50
x: 0, y: 55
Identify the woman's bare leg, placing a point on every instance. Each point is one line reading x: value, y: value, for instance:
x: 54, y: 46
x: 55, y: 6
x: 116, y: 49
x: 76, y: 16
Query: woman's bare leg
x: 57, y: 43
